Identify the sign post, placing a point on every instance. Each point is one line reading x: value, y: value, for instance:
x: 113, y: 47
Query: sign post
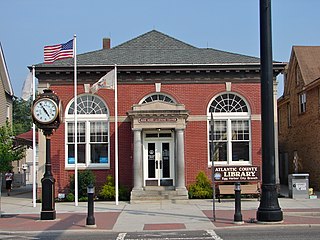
x: 212, y: 169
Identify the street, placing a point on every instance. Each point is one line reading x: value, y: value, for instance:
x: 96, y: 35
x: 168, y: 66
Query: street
x: 264, y: 232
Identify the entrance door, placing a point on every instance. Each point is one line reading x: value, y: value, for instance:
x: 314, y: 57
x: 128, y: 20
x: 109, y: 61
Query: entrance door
x: 158, y: 161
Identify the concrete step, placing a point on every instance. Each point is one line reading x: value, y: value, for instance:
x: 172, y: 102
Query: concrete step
x: 158, y: 193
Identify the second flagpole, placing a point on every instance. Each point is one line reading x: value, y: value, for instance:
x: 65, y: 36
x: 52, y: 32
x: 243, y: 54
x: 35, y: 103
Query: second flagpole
x: 75, y: 123
x: 116, y: 133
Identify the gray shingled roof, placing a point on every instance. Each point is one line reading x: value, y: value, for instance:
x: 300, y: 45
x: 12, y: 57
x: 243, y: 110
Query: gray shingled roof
x: 154, y: 48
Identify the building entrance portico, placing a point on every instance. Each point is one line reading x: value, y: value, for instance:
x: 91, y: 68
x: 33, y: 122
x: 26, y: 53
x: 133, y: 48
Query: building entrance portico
x: 158, y: 161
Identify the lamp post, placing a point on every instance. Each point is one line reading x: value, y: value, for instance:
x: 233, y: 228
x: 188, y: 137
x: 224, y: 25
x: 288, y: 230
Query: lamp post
x: 269, y: 209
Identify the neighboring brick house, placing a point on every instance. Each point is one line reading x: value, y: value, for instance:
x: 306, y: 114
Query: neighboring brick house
x: 166, y: 91
x: 299, y: 115
x: 6, y: 92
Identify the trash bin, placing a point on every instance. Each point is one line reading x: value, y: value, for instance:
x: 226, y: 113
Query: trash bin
x: 299, y: 185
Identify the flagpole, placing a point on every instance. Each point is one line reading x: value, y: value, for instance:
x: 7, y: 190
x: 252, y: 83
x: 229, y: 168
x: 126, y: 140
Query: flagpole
x: 116, y: 133
x: 75, y: 123
x: 34, y: 150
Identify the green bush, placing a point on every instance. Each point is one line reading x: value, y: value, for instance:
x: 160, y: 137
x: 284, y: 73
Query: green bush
x: 124, y: 194
x: 70, y: 197
x: 84, y: 179
x: 201, y: 188
x: 108, y: 191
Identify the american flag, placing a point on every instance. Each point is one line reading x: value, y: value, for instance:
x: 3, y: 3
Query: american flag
x: 59, y: 51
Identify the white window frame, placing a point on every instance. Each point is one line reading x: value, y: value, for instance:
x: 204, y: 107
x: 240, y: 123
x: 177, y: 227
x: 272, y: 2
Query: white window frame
x: 229, y: 117
x: 87, y: 119
x: 143, y: 100
x: 302, y: 102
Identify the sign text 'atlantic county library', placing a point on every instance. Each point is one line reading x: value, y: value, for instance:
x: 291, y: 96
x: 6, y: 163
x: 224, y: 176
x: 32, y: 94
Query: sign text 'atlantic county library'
x: 237, y: 173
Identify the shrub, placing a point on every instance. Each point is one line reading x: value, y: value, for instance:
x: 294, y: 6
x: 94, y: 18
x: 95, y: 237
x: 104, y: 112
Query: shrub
x: 108, y: 191
x: 124, y: 194
x: 70, y: 197
x: 84, y: 179
x: 201, y: 188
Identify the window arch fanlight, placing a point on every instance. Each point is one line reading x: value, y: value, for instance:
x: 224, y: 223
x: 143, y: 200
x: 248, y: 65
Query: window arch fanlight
x: 227, y: 103
x: 89, y: 104
x: 231, y: 136
x: 92, y: 133
x: 157, y: 97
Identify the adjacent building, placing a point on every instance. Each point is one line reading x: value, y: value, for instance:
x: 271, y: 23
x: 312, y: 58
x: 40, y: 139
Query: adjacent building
x: 6, y: 91
x: 166, y: 92
x: 299, y: 115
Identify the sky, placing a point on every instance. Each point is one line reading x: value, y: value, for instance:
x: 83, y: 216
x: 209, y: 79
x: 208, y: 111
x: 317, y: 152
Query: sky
x: 26, y: 26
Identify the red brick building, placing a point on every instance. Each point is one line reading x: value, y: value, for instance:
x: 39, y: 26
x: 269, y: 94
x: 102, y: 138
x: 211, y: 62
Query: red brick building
x: 166, y: 91
x: 299, y: 115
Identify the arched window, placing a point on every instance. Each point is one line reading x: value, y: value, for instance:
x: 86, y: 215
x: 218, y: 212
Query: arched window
x: 157, y: 97
x: 231, y: 137
x: 92, y: 132
x: 228, y: 103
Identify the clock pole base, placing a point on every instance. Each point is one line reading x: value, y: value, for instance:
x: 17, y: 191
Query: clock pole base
x: 48, y: 215
x: 48, y: 211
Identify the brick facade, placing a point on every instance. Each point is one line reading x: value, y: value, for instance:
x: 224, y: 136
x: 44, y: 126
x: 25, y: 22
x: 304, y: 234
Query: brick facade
x: 301, y: 135
x: 195, y: 97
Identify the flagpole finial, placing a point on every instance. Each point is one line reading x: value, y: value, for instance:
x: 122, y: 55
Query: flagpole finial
x: 74, y: 35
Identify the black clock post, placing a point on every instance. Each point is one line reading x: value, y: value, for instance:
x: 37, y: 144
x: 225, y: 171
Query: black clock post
x: 46, y: 114
x: 48, y: 211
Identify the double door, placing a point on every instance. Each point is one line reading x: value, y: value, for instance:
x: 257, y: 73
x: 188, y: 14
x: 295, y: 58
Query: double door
x: 158, y: 162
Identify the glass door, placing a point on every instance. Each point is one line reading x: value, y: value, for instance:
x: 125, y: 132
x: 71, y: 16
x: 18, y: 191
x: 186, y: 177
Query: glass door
x: 158, y: 166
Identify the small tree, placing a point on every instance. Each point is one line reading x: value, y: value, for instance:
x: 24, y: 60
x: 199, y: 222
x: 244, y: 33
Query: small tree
x: 8, y: 152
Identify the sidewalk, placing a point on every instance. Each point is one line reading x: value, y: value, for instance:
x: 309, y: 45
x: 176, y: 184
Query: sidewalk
x: 18, y: 214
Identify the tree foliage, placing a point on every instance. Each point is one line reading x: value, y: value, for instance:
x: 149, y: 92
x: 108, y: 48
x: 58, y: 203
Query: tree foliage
x: 22, y: 120
x: 85, y: 177
x: 8, y: 152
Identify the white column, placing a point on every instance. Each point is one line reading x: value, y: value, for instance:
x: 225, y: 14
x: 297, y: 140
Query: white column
x: 180, y: 177
x: 137, y: 159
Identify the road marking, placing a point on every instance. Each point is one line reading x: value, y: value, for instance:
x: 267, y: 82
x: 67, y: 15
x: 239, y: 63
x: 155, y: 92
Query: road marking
x: 2, y: 236
x: 121, y: 236
x: 214, y: 235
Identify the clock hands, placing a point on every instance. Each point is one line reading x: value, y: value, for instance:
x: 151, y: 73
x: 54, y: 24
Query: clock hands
x: 45, y: 110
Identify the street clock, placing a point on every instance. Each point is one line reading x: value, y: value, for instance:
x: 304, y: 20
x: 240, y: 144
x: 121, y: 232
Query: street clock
x: 47, y: 110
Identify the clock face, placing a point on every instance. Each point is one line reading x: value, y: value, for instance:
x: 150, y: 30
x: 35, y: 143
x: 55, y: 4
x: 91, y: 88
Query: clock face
x: 45, y: 110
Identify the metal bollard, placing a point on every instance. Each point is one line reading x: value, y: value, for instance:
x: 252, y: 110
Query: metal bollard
x: 237, y: 198
x: 90, y: 217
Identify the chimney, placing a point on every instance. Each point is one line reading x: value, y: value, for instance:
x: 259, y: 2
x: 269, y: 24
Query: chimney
x: 106, y: 42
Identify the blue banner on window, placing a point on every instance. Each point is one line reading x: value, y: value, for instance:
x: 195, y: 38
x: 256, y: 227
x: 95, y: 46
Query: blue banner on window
x: 103, y: 159
x: 71, y: 160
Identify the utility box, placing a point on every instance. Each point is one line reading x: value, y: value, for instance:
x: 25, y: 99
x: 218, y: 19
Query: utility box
x: 298, y: 185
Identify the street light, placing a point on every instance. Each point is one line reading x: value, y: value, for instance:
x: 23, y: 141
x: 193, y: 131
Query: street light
x: 269, y: 209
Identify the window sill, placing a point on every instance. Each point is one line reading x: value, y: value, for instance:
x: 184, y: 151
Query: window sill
x: 83, y: 167
x: 238, y: 163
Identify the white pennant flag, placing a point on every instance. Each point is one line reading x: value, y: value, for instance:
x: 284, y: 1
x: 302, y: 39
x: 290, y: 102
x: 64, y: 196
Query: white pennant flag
x: 106, y: 82
x: 27, y: 87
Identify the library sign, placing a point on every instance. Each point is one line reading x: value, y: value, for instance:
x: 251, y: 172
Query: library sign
x: 237, y: 173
